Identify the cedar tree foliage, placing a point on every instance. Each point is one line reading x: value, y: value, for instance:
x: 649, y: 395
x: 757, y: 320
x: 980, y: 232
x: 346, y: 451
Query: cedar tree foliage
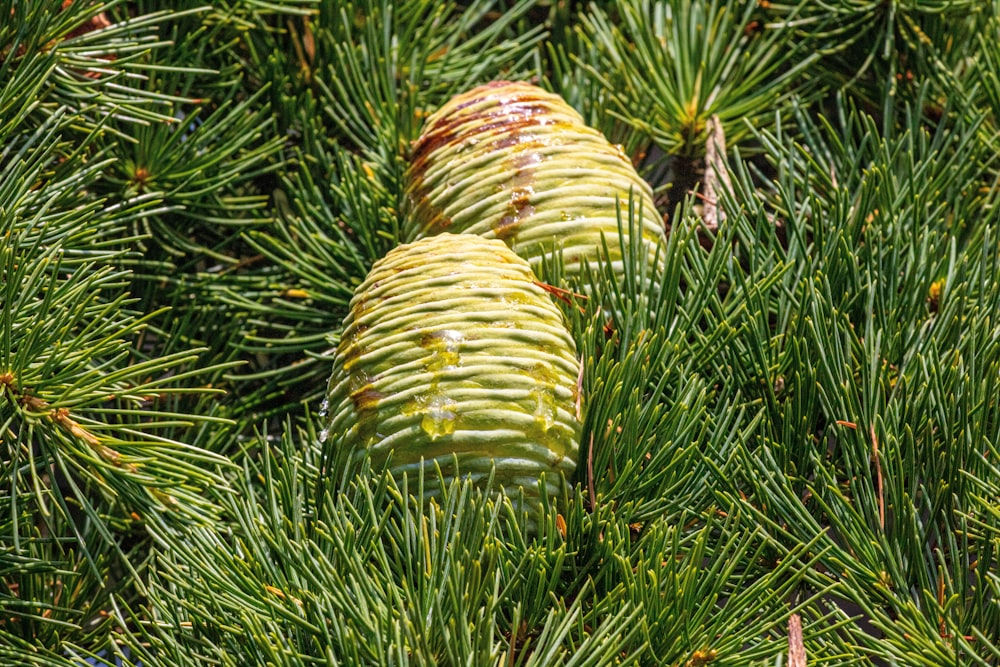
x: 790, y: 434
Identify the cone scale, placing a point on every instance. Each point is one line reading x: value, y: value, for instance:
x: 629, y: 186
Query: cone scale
x: 452, y: 349
x: 513, y: 162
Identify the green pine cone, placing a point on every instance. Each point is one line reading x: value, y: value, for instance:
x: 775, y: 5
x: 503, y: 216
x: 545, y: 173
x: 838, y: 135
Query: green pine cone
x: 451, y: 347
x: 514, y: 162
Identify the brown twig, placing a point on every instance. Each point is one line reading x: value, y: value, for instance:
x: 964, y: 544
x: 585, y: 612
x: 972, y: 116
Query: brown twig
x: 796, y: 649
x: 63, y: 418
x: 876, y: 459
x: 562, y: 294
x: 590, y: 473
x: 579, y: 392
x: 715, y: 173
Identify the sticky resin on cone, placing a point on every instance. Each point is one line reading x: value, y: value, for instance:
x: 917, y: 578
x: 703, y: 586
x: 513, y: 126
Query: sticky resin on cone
x: 513, y: 162
x: 451, y: 348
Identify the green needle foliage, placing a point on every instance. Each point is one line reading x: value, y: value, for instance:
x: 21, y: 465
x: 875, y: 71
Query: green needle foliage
x: 890, y: 435
x: 670, y: 66
x: 792, y: 422
x: 374, y: 576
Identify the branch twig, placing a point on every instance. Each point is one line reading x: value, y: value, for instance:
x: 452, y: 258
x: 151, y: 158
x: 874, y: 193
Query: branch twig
x: 796, y: 648
x: 590, y: 473
x: 715, y: 173
x: 876, y: 459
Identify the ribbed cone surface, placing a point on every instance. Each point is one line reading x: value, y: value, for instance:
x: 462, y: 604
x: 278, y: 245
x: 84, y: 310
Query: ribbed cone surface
x: 451, y: 347
x: 511, y: 161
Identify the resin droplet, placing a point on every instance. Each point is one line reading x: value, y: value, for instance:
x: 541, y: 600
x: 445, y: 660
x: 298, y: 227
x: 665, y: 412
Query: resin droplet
x: 439, y: 416
x: 323, y: 435
x: 543, y: 396
x: 444, y: 347
x: 545, y: 408
x: 324, y: 407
